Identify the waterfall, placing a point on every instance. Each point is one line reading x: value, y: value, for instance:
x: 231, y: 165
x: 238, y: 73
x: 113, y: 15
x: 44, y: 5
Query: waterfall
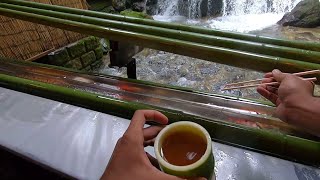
x: 200, y: 8
x: 188, y: 8
x: 194, y: 10
x: 168, y: 7
x: 241, y: 7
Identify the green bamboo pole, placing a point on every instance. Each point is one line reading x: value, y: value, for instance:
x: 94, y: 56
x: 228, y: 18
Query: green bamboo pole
x: 268, y: 142
x: 248, y: 37
x: 278, y: 51
x: 214, y: 54
x: 147, y: 83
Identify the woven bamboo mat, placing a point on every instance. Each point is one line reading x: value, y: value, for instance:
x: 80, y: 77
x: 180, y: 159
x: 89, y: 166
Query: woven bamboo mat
x: 25, y: 41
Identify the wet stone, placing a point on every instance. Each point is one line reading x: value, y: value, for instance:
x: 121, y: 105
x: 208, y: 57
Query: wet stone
x: 168, y: 68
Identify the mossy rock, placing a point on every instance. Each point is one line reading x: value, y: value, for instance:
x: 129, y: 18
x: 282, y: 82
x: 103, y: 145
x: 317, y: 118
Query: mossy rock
x: 76, y: 49
x: 98, y: 52
x: 97, y: 5
x: 135, y: 14
x: 88, y: 58
x: 59, y: 57
x: 96, y: 65
x: 306, y: 14
x: 119, y: 5
x: 109, y: 9
x: 87, y: 69
x: 74, y: 64
x: 91, y: 43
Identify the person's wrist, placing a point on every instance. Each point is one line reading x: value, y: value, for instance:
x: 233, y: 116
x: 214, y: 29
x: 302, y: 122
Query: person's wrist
x: 313, y: 103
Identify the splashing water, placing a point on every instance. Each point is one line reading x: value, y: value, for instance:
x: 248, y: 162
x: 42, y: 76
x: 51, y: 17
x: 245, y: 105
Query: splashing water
x: 242, y: 7
x: 236, y: 15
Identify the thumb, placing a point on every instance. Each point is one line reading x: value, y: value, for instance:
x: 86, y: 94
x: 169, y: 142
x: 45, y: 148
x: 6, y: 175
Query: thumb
x: 278, y: 75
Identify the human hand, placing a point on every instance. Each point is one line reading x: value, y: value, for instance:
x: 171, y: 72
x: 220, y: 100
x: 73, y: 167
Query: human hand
x: 129, y: 160
x: 294, y: 99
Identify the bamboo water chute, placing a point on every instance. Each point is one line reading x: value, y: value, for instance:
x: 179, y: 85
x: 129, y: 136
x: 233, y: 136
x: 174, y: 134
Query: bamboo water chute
x: 260, y: 53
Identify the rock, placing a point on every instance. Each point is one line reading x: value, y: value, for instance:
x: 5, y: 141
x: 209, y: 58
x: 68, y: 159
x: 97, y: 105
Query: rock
x: 88, y: 58
x: 199, y: 8
x: 305, y: 14
x: 185, y: 82
x: 151, y: 7
x: 119, y: 5
x: 109, y: 9
x: 91, y: 43
x: 98, y: 52
x: 139, y: 6
x: 215, y: 8
x: 58, y: 57
x: 87, y: 69
x: 74, y: 64
x: 183, y: 71
x: 203, y: 8
x: 96, y: 65
x: 76, y: 49
x: 98, y: 5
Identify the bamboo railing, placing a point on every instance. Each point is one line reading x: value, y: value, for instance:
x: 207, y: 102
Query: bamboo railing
x: 240, y: 50
x: 275, y: 143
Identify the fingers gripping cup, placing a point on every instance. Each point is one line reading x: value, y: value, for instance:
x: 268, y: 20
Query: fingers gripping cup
x: 184, y: 149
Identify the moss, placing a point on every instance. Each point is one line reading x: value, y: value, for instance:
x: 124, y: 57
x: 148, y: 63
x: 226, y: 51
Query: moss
x: 76, y: 49
x: 88, y: 58
x: 135, y: 14
x: 91, y: 43
x: 99, y: 52
x: 87, y: 69
x: 74, y: 64
x: 97, y: 5
x: 58, y: 57
x: 109, y: 9
x: 96, y: 65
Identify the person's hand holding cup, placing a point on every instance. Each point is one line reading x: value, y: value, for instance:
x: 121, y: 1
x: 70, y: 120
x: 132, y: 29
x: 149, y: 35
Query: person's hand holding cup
x: 184, y: 149
x: 129, y: 159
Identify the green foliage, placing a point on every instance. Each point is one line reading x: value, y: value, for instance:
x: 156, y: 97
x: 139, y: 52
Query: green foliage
x: 135, y: 14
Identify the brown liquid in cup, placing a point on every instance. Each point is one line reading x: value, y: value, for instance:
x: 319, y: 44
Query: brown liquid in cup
x: 183, y: 148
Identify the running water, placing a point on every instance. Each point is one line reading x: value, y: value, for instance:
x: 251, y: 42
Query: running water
x: 235, y: 15
x: 242, y: 7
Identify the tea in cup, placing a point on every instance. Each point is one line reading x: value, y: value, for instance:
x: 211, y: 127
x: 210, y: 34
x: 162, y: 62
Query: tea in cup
x: 184, y: 149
